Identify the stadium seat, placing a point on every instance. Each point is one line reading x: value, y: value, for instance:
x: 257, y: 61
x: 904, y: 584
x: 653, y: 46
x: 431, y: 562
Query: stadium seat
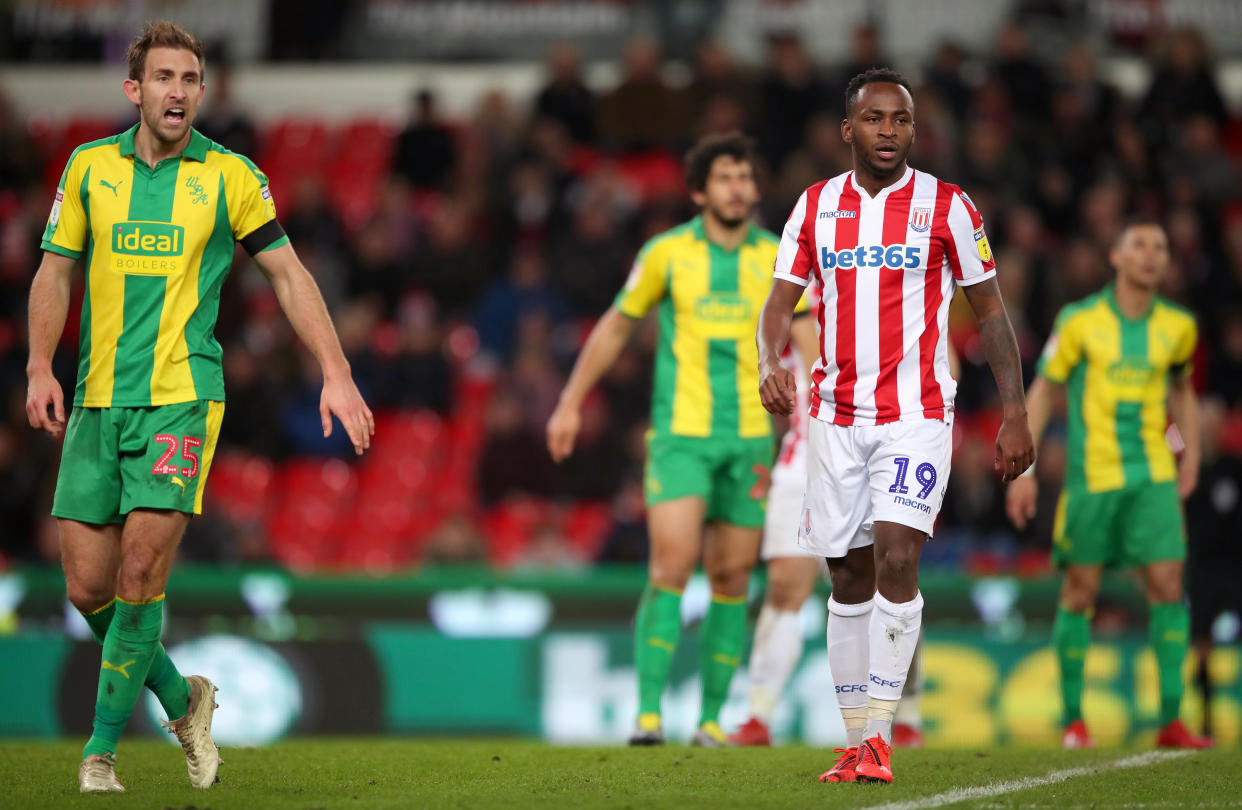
x: 509, y: 527
x: 240, y: 485
x: 586, y: 524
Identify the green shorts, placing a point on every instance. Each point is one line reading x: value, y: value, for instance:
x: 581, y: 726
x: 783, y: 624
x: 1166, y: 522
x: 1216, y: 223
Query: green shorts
x: 119, y: 459
x: 1124, y: 528
x: 730, y: 475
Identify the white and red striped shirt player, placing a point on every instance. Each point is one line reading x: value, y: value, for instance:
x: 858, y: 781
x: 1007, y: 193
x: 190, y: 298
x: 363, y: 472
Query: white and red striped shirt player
x: 888, y: 267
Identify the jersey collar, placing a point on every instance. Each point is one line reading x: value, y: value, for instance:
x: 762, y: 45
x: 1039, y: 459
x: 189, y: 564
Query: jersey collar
x: 196, y: 149
x: 882, y: 193
x: 700, y: 233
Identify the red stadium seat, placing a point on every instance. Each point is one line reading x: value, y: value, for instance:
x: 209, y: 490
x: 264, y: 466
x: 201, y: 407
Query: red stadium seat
x: 240, y: 485
x: 586, y: 524
x: 510, y: 526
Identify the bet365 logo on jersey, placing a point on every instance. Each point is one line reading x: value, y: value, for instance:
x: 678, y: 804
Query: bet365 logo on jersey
x: 147, y: 248
x: 895, y: 257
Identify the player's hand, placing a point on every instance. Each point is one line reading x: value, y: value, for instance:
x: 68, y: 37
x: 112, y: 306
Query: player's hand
x: 1015, y: 449
x: 1187, y: 475
x: 45, y: 402
x: 340, y: 398
x: 563, y: 427
x: 1020, y: 500
x: 778, y: 391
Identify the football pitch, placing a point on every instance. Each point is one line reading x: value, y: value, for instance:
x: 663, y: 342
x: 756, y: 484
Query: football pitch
x: 408, y: 773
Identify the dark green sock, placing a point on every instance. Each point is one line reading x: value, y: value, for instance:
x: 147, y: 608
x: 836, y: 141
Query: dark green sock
x: 1071, y: 634
x: 1169, y: 627
x: 128, y: 648
x: 720, y: 650
x: 656, y: 629
x: 163, y: 679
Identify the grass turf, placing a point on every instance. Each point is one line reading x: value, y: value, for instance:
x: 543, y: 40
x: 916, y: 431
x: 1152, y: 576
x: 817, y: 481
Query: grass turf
x: 368, y: 773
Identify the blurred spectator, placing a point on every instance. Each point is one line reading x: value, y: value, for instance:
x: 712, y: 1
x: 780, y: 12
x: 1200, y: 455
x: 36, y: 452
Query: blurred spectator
x: 642, y: 111
x: 1225, y: 372
x: 865, y: 53
x: 456, y: 541
x: 425, y: 155
x: 549, y: 550
x: 524, y: 291
x: 513, y: 460
x: 946, y: 75
x: 451, y: 264
x: 419, y: 376
x: 19, y: 158
x: 590, y: 260
x: 565, y: 98
x: 252, y: 420
x: 1024, y: 78
x: 220, y: 119
x: 789, y: 95
x: 300, y: 418
x: 1183, y: 85
x: 718, y: 85
x: 628, y: 541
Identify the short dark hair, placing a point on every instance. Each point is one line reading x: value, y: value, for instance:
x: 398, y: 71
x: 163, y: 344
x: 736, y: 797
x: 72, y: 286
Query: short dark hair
x: 1137, y: 221
x: 161, y: 34
x: 872, y: 76
x: 703, y: 154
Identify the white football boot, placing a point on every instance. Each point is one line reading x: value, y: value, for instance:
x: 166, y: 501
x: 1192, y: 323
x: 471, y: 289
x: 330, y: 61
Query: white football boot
x: 202, y: 757
x: 97, y: 774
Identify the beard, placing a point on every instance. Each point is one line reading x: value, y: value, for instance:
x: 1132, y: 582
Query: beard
x: 881, y: 171
x: 730, y: 222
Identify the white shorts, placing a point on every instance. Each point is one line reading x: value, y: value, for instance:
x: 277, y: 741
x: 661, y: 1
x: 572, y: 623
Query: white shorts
x: 780, y: 525
x: 856, y: 476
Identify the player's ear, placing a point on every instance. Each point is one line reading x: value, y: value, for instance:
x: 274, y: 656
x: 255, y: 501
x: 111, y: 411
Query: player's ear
x: 133, y: 90
x: 847, y: 130
x: 699, y: 197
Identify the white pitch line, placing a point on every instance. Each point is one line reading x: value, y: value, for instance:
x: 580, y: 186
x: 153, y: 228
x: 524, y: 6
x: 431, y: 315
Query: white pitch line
x: 998, y: 788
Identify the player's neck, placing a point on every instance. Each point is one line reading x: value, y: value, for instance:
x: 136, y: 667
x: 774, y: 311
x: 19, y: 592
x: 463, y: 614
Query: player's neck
x: 1133, y: 301
x: 722, y: 235
x: 873, y: 184
x: 151, y: 150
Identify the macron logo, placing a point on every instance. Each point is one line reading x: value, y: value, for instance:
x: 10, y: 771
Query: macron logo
x: 838, y: 214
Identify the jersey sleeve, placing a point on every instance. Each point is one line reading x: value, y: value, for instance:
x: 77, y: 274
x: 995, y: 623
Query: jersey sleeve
x: 252, y: 212
x: 796, y: 250
x: 647, y: 282
x: 1183, y: 359
x: 1063, y: 351
x: 66, y: 232
x: 970, y: 255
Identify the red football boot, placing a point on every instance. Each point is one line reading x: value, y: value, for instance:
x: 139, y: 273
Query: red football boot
x: 873, y: 761
x: 1076, y: 736
x: 1176, y: 735
x: 843, y: 771
x: 907, y: 736
x: 752, y: 733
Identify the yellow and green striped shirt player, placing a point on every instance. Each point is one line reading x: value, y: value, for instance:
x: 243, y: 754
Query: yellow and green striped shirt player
x: 153, y: 214
x: 1123, y: 358
x: 710, y: 435
x: 1119, y: 506
x: 157, y: 245
x: 710, y: 446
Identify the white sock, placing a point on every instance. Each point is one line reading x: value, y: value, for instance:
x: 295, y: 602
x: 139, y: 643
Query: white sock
x: 778, y: 646
x: 909, y: 711
x: 847, y: 658
x: 894, y: 632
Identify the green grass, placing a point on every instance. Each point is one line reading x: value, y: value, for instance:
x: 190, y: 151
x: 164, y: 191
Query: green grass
x: 403, y: 773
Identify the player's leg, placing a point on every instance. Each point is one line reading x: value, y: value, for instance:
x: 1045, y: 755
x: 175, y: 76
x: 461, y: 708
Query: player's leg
x: 675, y: 528
x: 778, y: 643
x: 91, y: 555
x: 148, y: 544
x: 849, y: 644
x: 1071, y: 637
x: 1155, y: 539
x: 908, y: 721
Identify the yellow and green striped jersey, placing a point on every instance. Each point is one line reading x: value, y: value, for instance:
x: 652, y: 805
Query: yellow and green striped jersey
x: 1117, y: 375
x: 709, y: 299
x: 158, y: 243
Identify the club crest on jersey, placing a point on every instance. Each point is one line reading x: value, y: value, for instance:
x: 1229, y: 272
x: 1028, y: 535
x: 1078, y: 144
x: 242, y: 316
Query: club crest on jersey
x: 920, y: 220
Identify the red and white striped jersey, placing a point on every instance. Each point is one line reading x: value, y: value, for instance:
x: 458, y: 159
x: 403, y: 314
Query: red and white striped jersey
x: 888, y: 268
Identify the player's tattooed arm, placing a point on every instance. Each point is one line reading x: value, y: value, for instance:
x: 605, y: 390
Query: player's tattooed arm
x: 1015, y: 450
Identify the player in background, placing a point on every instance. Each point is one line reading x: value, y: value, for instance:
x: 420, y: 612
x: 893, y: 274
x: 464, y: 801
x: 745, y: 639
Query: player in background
x: 792, y: 572
x: 155, y: 211
x: 889, y: 246
x: 709, y: 450
x: 1123, y: 355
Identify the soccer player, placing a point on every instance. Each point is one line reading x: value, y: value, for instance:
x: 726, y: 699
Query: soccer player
x: 155, y: 212
x: 709, y: 450
x: 889, y: 246
x: 1125, y: 355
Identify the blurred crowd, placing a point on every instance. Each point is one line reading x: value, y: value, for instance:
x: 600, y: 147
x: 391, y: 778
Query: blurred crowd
x: 477, y: 259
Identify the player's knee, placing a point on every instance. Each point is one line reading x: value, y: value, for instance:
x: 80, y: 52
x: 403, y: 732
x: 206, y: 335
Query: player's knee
x: 1164, y: 590
x: 729, y: 579
x: 785, y: 593
x: 87, y: 596
x: 1078, y: 596
x: 897, y: 563
x: 672, y: 574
